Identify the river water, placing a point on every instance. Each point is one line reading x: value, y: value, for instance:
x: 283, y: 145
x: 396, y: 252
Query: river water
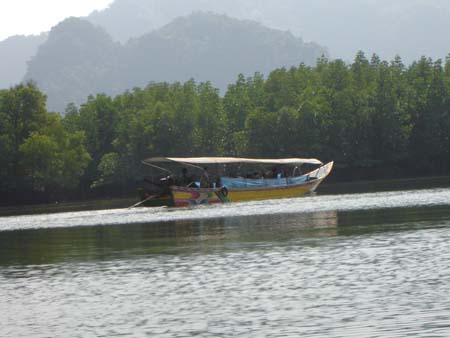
x: 349, y: 265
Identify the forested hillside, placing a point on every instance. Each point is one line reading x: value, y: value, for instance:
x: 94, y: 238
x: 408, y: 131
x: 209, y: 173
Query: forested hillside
x: 375, y: 119
x: 79, y: 58
x: 76, y: 60
x: 410, y: 28
x: 210, y: 47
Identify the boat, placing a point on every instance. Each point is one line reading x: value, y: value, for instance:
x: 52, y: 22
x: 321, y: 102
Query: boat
x: 285, y: 180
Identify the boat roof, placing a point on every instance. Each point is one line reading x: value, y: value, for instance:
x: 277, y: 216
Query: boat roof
x: 230, y: 160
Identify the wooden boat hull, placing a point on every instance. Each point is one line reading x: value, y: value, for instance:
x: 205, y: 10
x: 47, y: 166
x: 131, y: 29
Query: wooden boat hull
x: 159, y: 201
x: 148, y: 199
x: 183, y: 196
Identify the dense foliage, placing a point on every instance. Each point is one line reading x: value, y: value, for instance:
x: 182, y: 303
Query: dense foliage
x: 374, y: 118
x: 80, y: 59
x: 37, y: 154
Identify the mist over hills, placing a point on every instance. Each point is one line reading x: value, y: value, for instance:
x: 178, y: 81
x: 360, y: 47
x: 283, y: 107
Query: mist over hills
x: 409, y: 28
x: 75, y: 61
x: 15, y: 52
x: 210, y: 47
x: 80, y: 59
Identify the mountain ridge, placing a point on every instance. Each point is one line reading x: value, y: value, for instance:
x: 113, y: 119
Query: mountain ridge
x: 409, y: 28
x: 79, y: 59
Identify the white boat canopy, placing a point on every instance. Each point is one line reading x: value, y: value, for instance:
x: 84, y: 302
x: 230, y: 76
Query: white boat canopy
x: 230, y: 160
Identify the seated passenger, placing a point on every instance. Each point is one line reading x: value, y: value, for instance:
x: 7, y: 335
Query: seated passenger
x: 185, y: 179
x: 205, y: 181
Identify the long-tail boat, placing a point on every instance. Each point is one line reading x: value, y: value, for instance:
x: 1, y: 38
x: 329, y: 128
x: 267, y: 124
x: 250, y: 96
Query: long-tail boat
x: 283, y: 181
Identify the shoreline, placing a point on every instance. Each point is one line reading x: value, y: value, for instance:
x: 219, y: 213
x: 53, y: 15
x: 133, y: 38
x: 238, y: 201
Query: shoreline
x: 327, y: 188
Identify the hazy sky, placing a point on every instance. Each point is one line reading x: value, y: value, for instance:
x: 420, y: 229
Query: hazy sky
x: 36, y: 16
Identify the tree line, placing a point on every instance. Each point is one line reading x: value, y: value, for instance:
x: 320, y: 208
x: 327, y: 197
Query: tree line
x: 374, y: 118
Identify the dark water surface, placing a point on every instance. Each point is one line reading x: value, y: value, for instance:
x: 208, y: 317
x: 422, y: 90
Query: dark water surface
x: 355, y: 265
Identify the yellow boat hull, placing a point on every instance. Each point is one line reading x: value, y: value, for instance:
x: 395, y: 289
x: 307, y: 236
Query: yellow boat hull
x: 240, y: 195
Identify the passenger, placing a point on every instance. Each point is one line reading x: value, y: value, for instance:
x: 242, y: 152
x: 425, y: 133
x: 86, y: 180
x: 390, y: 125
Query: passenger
x: 205, y: 181
x: 167, y: 182
x: 273, y: 173
x: 280, y: 172
x: 296, y: 172
x: 218, y: 182
x: 185, y: 179
x: 269, y: 174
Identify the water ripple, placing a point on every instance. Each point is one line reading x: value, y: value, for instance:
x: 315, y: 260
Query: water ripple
x: 308, y: 204
x: 337, y: 280
x: 385, y: 285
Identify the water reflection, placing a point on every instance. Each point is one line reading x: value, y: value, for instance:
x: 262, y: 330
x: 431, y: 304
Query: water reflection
x: 361, y: 222
x: 350, y: 273
x: 45, y: 246
x: 303, y: 205
x: 52, y: 245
